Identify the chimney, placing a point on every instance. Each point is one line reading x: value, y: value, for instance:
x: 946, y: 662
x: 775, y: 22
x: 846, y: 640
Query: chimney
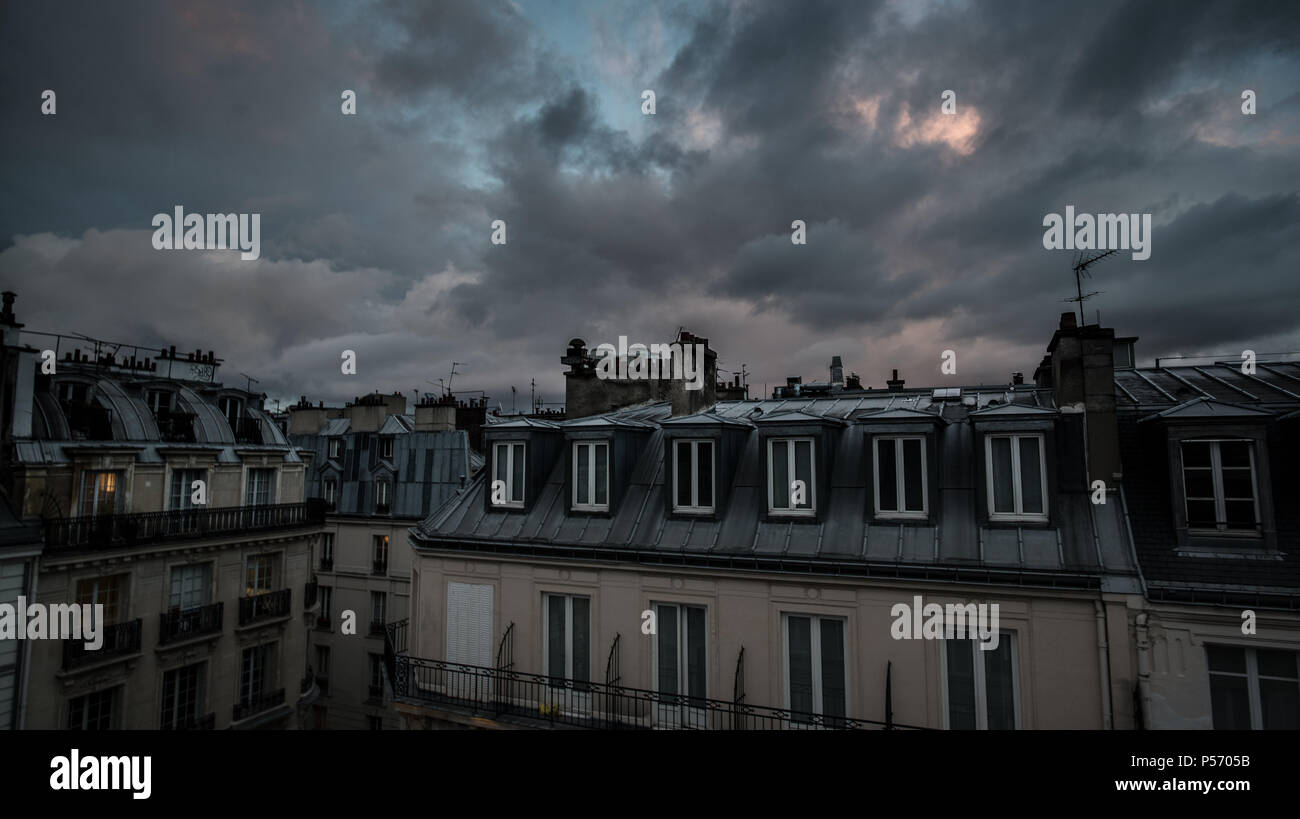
x: 895, y: 384
x: 1080, y: 370
x: 8, y: 320
x: 689, y: 402
x: 1017, y: 378
x: 837, y: 372
x: 434, y: 417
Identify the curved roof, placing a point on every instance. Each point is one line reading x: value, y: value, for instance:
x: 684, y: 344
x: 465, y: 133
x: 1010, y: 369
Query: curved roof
x: 210, y: 426
x: 131, y: 418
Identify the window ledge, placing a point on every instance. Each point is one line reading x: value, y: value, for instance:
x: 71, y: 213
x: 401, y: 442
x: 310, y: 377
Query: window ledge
x: 1249, y: 553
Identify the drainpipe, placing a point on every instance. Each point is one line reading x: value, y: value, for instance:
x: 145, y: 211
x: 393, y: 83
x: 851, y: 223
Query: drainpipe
x: 1144, y: 667
x: 25, y: 666
x: 1103, y: 658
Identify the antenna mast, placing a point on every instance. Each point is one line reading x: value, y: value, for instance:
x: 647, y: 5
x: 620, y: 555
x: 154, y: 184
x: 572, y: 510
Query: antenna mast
x: 1081, y: 265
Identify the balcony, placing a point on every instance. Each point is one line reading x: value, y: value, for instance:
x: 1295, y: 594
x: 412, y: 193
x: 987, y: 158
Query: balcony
x: 253, y: 705
x: 264, y: 606
x: 120, y: 640
x: 377, y: 628
x: 182, y: 625
x: 204, y: 723
x: 94, y: 532
x: 379, y: 567
x: 537, y: 700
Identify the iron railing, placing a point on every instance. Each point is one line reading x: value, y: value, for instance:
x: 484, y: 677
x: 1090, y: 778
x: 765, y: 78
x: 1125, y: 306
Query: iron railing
x: 250, y: 706
x: 124, y: 531
x: 179, y: 625
x: 119, y: 640
x: 203, y: 723
x: 501, y: 692
x: 264, y: 606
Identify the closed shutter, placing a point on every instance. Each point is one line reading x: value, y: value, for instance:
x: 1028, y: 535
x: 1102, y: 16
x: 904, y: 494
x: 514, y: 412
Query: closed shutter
x: 469, y: 624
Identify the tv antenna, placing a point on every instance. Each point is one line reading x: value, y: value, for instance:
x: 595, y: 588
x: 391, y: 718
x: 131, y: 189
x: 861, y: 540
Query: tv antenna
x: 1081, y: 265
x: 450, y: 377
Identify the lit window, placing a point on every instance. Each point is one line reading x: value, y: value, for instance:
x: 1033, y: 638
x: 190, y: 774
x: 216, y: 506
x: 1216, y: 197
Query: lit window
x: 99, y: 493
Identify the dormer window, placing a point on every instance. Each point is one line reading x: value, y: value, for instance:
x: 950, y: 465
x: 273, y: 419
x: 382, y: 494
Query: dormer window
x: 1017, y: 477
x: 1220, y: 486
x: 335, y: 448
x: 331, y: 492
x: 73, y: 392
x: 591, y: 476
x: 791, y: 476
x: 901, y: 479
x: 507, y: 490
x: 233, y: 409
x: 386, y: 447
x: 383, y: 492
x: 693, y: 476
x: 159, y: 401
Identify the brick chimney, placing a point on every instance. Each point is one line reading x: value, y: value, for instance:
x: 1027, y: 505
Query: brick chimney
x: 895, y: 384
x: 1080, y: 370
x: 689, y: 402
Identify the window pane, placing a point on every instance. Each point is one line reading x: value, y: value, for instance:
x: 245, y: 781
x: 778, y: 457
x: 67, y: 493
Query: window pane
x: 1241, y: 514
x: 1234, y: 453
x: 961, y: 685
x: 801, y: 690
x: 581, y: 630
x: 1223, y: 658
x: 887, y: 475
x: 667, y: 625
x: 1200, y: 513
x: 695, y: 652
x: 780, y: 476
x: 517, y: 474
x: 1273, y: 663
x: 499, y: 465
x: 683, y: 463
x: 1230, y: 703
x: 832, y: 645
x: 803, y: 470
x: 583, y: 456
x: 555, y: 635
x: 1199, y: 483
x: 1196, y: 454
x: 602, y: 474
x: 1031, y: 476
x: 1237, y: 484
x: 1003, y: 496
x: 705, y: 455
x: 912, y: 485
x: 1279, y: 701
x: 999, y: 685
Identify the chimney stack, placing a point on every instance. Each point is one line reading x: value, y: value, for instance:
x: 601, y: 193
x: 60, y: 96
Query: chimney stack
x: 1080, y: 370
x: 837, y: 372
x: 689, y: 402
x: 895, y: 384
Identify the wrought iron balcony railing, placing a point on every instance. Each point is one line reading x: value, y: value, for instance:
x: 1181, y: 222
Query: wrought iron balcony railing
x: 252, y: 705
x: 503, y: 692
x: 119, y: 640
x: 264, y: 606
x: 179, y: 625
x: 204, y: 723
x: 92, y: 532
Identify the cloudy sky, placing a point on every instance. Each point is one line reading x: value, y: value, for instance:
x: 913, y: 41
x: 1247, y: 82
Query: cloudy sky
x: 924, y: 230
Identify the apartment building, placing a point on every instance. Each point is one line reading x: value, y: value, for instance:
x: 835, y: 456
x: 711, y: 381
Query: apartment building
x: 655, y: 566
x: 171, y: 500
x: 1210, y: 491
x: 379, y: 471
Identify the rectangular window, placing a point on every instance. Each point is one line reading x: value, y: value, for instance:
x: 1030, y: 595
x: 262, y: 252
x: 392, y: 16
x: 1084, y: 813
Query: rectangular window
x: 508, y: 468
x: 181, y: 495
x: 591, y: 476
x: 379, y: 553
x: 981, y: 685
x: 101, y: 493
x: 336, y: 448
x: 326, y: 596
x: 93, y: 712
x: 327, y: 551
x: 693, y: 476
x: 331, y: 491
x: 566, y: 622
x: 105, y: 591
x: 378, y: 610
x: 680, y: 667
x: 901, y: 479
x: 323, y: 661
x: 1017, y: 477
x: 190, y: 586
x: 815, y: 667
x: 469, y: 624
x: 376, y: 676
x: 255, y: 673
x: 1219, y: 485
x: 159, y: 401
x: 1254, y: 688
x: 386, y: 447
x: 259, y: 575
x: 383, y: 489
x: 233, y: 409
x: 181, y: 696
x: 791, y: 460
x: 261, y: 487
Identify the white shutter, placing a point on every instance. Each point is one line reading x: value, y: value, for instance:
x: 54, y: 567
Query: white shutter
x: 469, y: 624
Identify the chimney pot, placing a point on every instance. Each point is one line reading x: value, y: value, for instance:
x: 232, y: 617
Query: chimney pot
x: 1068, y: 321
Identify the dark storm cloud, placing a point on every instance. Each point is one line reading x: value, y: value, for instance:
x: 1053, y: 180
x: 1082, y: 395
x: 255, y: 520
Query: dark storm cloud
x: 924, y: 231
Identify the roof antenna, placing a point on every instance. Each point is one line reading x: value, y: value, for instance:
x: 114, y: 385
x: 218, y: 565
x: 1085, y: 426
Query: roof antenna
x: 1081, y: 265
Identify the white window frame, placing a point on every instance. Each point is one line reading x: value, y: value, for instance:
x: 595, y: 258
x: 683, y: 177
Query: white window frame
x: 1252, y: 676
x: 187, y: 490
x: 508, y: 447
x: 567, y: 671
x: 690, y: 715
x: 335, y: 448
x: 900, y: 490
x: 695, y: 506
x: 1016, y: 488
x: 273, y: 485
x: 331, y: 490
x: 811, y: 511
x: 981, y: 681
x: 816, y: 659
x: 382, y: 610
x: 386, y: 447
x: 384, y: 487
x: 119, y: 492
x: 1220, y: 496
x: 591, y: 448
